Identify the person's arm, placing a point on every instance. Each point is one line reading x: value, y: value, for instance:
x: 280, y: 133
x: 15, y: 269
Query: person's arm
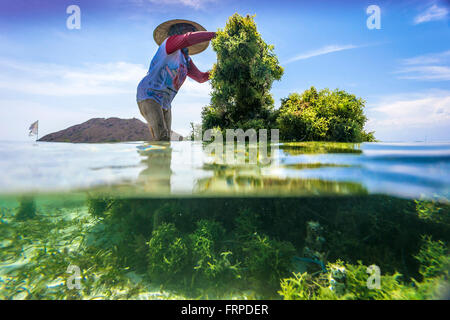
x: 196, y: 74
x: 181, y: 41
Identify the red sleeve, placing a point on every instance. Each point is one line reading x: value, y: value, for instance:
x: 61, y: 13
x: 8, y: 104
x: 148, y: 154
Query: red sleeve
x: 196, y: 74
x: 181, y: 41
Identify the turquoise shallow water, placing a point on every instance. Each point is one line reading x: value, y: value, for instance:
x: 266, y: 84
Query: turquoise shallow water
x: 185, y: 168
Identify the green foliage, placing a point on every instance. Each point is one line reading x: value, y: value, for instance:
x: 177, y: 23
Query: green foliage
x: 210, y: 263
x: 432, y: 211
x: 434, y: 261
x: 307, y: 287
x: 168, y: 253
x: 27, y: 209
x: 323, y: 116
x: 301, y: 286
x: 434, y: 258
x: 167, y: 213
x: 204, y: 240
x: 49, y: 243
x: 247, y: 223
x: 196, y: 131
x: 196, y: 257
x: 356, y: 287
x: 217, y: 247
x: 242, y: 78
x: 267, y: 260
x: 97, y: 206
x: 317, y: 147
x: 206, y: 237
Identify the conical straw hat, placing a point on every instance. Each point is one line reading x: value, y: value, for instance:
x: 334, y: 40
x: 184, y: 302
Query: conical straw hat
x: 162, y: 32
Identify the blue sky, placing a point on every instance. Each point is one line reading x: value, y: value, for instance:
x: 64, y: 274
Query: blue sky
x: 63, y: 77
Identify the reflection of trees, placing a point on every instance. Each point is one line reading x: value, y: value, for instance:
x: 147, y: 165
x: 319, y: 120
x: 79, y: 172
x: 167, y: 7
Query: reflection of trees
x: 257, y: 178
x: 298, y: 148
x: 250, y: 180
x: 155, y: 178
x: 242, y: 153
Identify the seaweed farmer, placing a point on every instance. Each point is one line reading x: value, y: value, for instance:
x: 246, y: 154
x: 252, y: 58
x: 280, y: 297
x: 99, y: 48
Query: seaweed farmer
x: 177, y: 40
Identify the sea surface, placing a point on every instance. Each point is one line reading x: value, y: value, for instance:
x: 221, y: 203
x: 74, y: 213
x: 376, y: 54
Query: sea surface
x: 185, y: 168
x: 110, y: 221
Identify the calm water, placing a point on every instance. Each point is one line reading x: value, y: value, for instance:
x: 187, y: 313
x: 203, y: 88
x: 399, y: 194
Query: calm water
x: 185, y: 168
x: 176, y: 222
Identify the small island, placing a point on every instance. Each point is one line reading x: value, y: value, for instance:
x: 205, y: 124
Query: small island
x: 98, y: 130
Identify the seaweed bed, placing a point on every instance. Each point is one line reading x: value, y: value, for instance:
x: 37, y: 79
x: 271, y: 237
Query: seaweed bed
x: 251, y: 248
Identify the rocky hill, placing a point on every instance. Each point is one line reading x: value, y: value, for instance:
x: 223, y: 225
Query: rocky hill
x: 105, y: 130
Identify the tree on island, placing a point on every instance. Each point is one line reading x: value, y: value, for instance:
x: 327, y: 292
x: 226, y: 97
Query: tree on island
x: 323, y: 116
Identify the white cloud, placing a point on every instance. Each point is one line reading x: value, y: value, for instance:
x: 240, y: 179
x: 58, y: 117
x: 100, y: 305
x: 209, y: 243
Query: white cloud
x: 90, y: 79
x: 196, y: 89
x: 68, y: 95
x: 436, y: 73
x: 412, y: 111
x: 183, y: 113
x: 188, y: 104
x: 321, y: 51
x: 428, y: 58
x: 432, y: 67
x: 60, y: 80
x: 16, y: 115
x: 421, y: 116
x: 433, y: 13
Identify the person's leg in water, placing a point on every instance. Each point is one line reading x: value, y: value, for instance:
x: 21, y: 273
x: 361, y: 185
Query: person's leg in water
x: 156, y: 119
x: 168, y: 119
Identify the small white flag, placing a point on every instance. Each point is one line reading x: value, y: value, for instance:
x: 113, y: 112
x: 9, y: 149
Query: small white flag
x: 34, y: 129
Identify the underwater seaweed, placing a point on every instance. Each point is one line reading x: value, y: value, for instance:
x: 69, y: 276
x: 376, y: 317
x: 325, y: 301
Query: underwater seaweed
x: 168, y: 253
x: 211, y: 263
x: 267, y: 260
x: 434, y: 258
x: 432, y: 211
x: 223, y: 247
x: 27, y: 208
x: 434, y: 261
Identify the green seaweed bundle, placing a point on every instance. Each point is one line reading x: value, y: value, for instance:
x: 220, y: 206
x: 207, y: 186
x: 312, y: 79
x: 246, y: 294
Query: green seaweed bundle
x: 242, y: 78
